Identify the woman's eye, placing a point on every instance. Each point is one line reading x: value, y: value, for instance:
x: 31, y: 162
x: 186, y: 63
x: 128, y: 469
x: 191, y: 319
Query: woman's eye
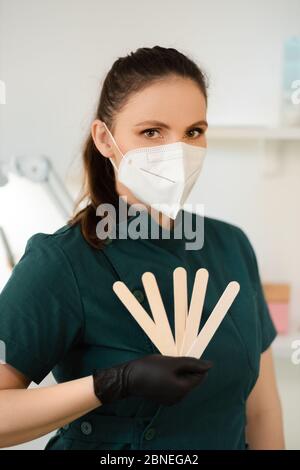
x: 198, y: 129
x: 147, y: 131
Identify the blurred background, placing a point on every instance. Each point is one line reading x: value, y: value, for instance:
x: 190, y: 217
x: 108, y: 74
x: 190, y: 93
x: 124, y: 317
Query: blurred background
x: 54, y: 55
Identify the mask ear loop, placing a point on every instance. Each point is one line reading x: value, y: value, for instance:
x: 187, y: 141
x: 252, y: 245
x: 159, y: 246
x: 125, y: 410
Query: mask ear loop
x: 115, y: 145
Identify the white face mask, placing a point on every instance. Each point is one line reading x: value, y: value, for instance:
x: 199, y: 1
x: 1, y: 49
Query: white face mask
x: 161, y: 176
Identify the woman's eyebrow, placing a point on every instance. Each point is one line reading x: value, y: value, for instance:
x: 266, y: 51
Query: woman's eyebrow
x: 162, y: 124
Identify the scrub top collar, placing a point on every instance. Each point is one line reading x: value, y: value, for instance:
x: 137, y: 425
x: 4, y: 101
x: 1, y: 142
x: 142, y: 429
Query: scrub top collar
x: 152, y: 231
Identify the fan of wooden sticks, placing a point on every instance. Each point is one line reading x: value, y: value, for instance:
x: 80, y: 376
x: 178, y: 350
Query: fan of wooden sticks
x: 187, y: 320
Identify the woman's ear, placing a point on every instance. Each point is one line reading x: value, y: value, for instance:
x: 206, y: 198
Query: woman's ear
x: 101, y: 138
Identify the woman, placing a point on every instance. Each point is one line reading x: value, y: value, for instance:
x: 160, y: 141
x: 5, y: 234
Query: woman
x: 58, y: 311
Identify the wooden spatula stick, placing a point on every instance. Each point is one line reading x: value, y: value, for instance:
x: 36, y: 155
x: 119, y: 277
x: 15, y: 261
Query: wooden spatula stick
x: 180, y: 305
x: 195, y: 310
x: 140, y: 315
x: 214, y: 320
x: 159, y: 313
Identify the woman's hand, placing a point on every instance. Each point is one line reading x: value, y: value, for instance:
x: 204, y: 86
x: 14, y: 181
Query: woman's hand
x: 164, y: 379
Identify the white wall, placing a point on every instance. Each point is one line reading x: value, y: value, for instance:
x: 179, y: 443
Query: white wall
x: 54, y: 54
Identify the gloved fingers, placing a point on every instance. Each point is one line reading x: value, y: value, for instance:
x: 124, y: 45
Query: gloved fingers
x: 193, y: 365
x: 196, y: 379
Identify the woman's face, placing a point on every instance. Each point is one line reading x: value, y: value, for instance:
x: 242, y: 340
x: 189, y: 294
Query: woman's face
x: 169, y: 110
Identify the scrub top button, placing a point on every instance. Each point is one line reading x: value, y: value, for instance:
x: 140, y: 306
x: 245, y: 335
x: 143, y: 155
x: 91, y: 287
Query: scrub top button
x: 149, y: 434
x: 86, y: 428
x: 138, y: 294
x: 66, y: 426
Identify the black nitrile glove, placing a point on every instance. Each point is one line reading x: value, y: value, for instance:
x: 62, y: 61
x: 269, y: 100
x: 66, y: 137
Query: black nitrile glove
x: 163, y: 379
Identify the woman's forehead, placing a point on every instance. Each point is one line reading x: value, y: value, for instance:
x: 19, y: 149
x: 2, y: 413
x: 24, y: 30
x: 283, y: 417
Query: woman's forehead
x: 166, y: 101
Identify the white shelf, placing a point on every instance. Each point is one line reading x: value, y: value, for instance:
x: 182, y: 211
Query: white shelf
x: 254, y: 132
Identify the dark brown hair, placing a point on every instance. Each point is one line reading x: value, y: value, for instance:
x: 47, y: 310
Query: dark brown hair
x: 127, y: 75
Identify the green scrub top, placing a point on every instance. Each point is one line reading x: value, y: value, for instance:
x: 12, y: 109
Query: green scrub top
x: 58, y: 313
